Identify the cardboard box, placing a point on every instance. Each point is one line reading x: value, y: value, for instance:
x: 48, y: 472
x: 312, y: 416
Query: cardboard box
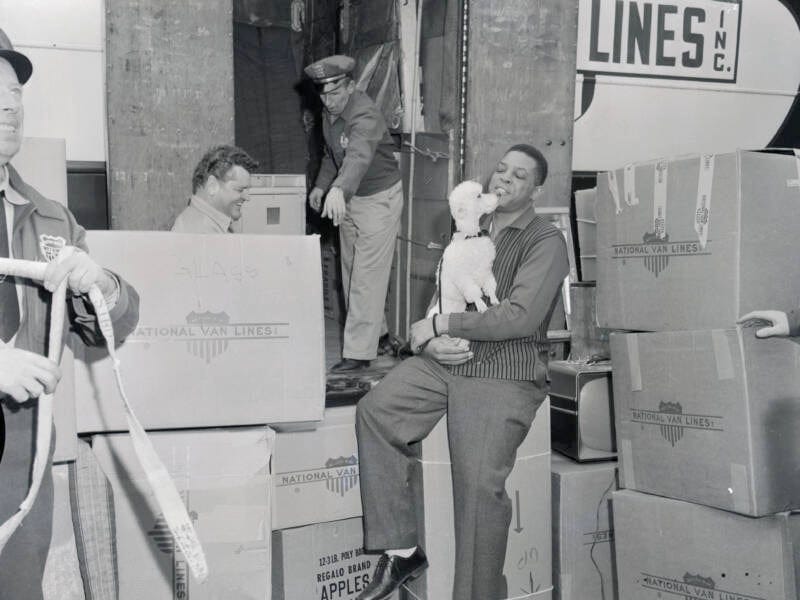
x: 332, y: 295
x: 277, y: 205
x: 230, y: 332
x: 528, y: 567
x: 316, y: 472
x: 583, y: 530
x: 672, y: 549
x: 709, y: 417
x: 223, y: 478
x: 693, y: 244
x: 324, y: 561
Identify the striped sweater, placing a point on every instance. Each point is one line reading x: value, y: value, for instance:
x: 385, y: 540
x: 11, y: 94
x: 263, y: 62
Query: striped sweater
x: 509, y: 340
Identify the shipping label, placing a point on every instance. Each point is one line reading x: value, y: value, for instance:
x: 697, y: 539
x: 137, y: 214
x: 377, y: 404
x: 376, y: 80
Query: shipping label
x: 343, y: 575
x: 601, y: 536
x: 662, y: 39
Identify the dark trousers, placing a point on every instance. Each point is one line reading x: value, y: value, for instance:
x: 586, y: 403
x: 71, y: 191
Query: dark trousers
x: 22, y: 560
x: 487, y: 421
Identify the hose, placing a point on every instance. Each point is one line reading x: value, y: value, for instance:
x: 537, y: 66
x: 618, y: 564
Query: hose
x: 161, y: 484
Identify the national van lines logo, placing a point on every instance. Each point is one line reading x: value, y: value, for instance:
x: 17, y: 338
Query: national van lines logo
x: 656, y: 249
x: 209, y: 348
x: 50, y: 246
x: 671, y: 433
x: 692, y: 587
x: 208, y: 334
x: 340, y: 475
x: 673, y: 422
x: 162, y: 538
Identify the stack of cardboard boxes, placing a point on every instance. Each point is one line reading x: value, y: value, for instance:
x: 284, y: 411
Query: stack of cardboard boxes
x: 706, y: 414
x: 582, y: 481
x: 527, y: 569
x: 317, y: 528
x: 230, y: 339
x: 584, y: 474
x: 318, y: 546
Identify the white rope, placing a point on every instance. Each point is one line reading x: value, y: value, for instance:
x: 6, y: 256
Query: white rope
x: 164, y: 490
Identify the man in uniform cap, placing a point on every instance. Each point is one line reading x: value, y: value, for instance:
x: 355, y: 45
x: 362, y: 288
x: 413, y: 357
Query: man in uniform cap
x: 35, y: 228
x: 360, y: 182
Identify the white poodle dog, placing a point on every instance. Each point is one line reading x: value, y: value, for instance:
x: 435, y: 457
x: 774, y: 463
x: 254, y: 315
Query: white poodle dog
x: 464, y: 274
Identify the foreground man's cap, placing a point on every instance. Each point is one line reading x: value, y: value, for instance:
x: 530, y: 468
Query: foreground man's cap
x: 18, y: 61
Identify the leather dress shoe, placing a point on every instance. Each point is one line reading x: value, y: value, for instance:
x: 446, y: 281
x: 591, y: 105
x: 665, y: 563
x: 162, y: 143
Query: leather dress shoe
x: 388, y: 345
x: 348, y: 365
x: 391, y: 572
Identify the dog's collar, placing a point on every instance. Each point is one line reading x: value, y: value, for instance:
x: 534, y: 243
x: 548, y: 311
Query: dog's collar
x: 481, y: 233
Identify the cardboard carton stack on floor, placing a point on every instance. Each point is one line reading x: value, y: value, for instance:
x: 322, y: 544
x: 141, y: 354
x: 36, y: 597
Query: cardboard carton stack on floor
x: 706, y: 413
x: 318, y: 545
x: 528, y: 568
x: 583, y: 529
x: 583, y: 479
x: 229, y: 341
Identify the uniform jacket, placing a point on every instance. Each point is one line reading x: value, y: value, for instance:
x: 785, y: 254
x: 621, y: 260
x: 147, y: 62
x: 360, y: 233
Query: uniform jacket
x: 40, y: 224
x: 359, y: 153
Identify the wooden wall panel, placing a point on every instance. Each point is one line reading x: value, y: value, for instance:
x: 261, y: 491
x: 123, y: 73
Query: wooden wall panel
x: 170, y: 97
x: 521, y: 85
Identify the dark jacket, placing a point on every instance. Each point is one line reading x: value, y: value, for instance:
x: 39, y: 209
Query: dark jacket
x: 359, y: 152
x: 43, y: 217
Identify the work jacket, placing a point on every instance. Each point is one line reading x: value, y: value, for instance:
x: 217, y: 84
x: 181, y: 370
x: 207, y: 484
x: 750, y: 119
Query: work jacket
x: 40, y: 227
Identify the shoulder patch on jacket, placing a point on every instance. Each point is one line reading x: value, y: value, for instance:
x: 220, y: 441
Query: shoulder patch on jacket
x: 50, y: 246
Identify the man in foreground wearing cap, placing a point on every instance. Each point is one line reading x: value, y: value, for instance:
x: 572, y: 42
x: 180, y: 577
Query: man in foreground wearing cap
x: 360, y: 182
x: 35, y: 228
x: 219, y: 188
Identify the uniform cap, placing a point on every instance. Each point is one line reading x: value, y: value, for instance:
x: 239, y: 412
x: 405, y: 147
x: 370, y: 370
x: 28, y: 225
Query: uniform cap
x: 329, y: 69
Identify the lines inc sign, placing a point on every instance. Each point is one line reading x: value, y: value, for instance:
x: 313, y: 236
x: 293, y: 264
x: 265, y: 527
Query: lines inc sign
x: 692, y: 39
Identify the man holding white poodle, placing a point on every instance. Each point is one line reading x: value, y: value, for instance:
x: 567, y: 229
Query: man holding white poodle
x: 487, y: 371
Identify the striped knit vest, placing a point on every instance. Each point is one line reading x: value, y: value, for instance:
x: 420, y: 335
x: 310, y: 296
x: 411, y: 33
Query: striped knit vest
x: 521, y: 359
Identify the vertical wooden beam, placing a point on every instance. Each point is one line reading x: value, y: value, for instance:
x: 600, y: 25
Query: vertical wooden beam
x: 170, y: 97
x: 521, y: 85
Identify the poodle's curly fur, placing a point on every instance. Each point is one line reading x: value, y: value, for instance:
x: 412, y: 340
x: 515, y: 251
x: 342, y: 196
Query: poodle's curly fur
x: 464, y: 274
